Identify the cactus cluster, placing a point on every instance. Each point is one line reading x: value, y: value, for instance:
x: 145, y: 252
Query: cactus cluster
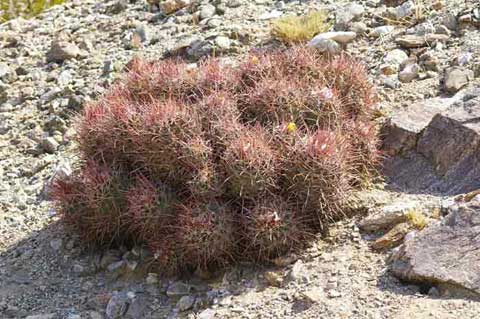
x: 217, y: 163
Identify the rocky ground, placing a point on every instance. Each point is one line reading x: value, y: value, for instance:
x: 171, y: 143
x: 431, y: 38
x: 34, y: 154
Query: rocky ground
x: 419, y: 54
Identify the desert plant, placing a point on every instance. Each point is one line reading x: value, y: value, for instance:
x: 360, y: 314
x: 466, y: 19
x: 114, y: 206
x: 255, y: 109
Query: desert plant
x: 294, y: 29
x: 93, y: 204
x: 205, y: 234
x: 272, y: 227
x: 217, y: 163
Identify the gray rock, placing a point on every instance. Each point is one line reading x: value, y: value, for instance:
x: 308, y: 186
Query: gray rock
x: 7, y: 74
x: 456, y: 78
x: 63, y: 50
x: 325, y: 45
x: 207, y: 314
x: 417, y: 41
x: 170, y: 6
x: 207, y: 11
x: 393, y: 60
x: 185, y: 303
x: 56, y: 244
x: 64, y: 78
x: 409, y: 73
x: 342, y: 37
x: 388, y: 216
x: 44, y: 316
x: 177, y: 289
x: 359, y: 28
x: 223, y: 43
x: 382, y: 31
x: 447, y: 253
x: 404, y: 10
x: 297, y: 273
x: 117, y: 305
x: 348, y: 14
x: 314, y: 295
x: 437, y: 145
x: 50, y: 145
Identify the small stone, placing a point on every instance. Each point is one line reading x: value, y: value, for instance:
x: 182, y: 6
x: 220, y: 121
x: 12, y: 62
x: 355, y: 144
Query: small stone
x: 6, y: 73
x: 62, y: 50
x: 50, y: 145
x: 116, y: 266
x: 117, y: 305
x: 456, y: 78
x: 417, y: 41
x: 43, y: 316
x: 95, y: 315
x: 404, y: 10
x: 185, y: 303
x: 391, y: 82
x: 342, y: 37
x: 177, y: 289
x: 64, y: 78
x: 314, y: 295
x: 207, y: 314
x: 409, y: 73
x: 77, y: 268
x: 273, y: 278
x: 393, y: 60
x: 382, y: 31
x: 393, y: 238
x: 334, y: 294
x: 434, y: 292
x: 170, y: 6
x: 297, y: 273
x: 56, y: 244
x: 359, y: 28
x: 347, y: 14
x: 222, y: 42
x: 325, y: 45
x: 152, y: 279
x: 207, y: 11
x: 270, y: 15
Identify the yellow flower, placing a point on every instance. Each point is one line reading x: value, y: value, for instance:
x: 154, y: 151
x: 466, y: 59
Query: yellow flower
x: 291, y: 127
x: 254, y: 60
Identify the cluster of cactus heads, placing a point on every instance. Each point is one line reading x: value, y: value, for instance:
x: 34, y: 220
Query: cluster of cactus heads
x: 217, y: 163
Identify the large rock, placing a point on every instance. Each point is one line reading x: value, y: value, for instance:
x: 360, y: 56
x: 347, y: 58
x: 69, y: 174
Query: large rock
x: 446, y: 254
x: 435, y: 145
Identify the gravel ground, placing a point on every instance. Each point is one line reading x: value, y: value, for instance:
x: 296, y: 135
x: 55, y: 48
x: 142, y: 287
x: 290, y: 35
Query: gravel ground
x: 43, y: 271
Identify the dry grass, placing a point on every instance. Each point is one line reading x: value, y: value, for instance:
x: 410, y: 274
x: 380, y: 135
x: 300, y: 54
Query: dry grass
x: 295, y: 29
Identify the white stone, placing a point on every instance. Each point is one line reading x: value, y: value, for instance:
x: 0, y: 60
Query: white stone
x: 342, y: 37
x: 381, y: 31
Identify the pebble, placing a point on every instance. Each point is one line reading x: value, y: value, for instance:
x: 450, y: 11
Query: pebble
x: 342, y: 37
x: 325, y: 45
x: 409, y: 73
x: 62, y: 50
x: 185, y: 303
x: 456, y: 78
x: 50, y: 145
x: 56, y: 244
x: 177, y: 289
x: 207, y: 11
x: 382, y: 31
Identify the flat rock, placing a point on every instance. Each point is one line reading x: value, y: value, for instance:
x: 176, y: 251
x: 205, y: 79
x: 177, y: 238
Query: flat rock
x: 435, y: 145
x: 447, y: 253
x: 388, y: 216
x: 342, y: 37
x: 417, y: 41
x: 456, y: 78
